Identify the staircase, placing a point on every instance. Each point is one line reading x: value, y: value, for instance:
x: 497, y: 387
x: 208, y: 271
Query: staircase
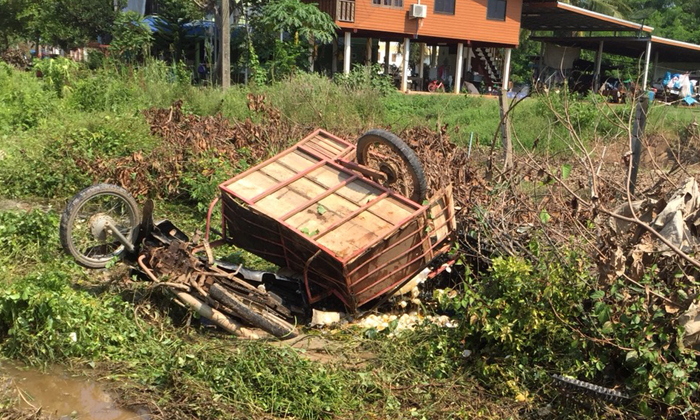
x: 492, y: 61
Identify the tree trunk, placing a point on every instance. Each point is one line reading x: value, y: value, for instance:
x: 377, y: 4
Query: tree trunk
x: 505, y: 131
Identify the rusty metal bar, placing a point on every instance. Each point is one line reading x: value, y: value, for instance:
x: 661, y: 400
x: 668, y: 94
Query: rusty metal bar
x: 388, y: 275
x: 224, y: 185
x: 288, y: 226
x: 426, y: 208
x: 209, y: 212
x: 327, y: 145
x: 312, y: 152
x: 430, y: 250
x: 336, y: 138
x: 327, y: 154
x: 351, y: 215
x: 330, y: 144
x: 445, y: 223
x: 317, y: 182
x: 283, y: 184
x: 381, y: 238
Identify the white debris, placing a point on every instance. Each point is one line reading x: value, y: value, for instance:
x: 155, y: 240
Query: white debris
x: 322, y: 318
x: 690, y: 320
x: 466, y: 353
x: 412, y: 284
x: 404, y: 322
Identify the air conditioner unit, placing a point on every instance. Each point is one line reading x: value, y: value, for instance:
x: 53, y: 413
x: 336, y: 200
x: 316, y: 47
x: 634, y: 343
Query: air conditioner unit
x: 418, y: 11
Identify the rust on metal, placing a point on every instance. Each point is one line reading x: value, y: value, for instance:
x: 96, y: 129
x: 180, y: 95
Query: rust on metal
x: 312, y: 210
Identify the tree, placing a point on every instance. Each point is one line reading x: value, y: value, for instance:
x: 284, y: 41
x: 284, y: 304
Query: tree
x: 12, y: 22
x: 305, y: 25
x: 301, y: 19
x: 131, y: 37
x: 617, y: 8
x: 71, y: 23
x: 677, y: 19
x: 172, y: 38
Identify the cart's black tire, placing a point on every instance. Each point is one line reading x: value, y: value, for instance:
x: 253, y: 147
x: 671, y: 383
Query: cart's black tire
x: 72, y: 211
x: 258, y: 318
x: 398, y: 146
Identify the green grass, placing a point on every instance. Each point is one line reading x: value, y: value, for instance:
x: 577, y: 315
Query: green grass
x: 136, y: 335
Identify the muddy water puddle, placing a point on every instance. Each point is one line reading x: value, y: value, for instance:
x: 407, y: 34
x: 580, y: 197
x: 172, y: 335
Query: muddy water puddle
x: 62, y: 396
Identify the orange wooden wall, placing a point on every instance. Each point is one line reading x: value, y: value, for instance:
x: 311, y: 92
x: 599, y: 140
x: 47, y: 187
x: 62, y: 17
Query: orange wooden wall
x: 469, y: 22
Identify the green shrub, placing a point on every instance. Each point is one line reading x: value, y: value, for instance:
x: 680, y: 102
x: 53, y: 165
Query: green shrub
x: 23, y: 101
x: 57, y: 73
x: 523, y: 321
x: 53, y: 166
x: 364, y: 77
x: 43, y: 319
x: 28, y: 235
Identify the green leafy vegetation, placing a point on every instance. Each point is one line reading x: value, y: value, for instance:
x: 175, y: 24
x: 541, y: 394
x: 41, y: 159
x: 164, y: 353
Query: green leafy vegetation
x: 517, y: 322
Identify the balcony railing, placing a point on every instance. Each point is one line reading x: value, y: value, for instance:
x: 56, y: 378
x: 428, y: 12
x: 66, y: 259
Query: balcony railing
x: 340, y: 10
x: 346, y: 11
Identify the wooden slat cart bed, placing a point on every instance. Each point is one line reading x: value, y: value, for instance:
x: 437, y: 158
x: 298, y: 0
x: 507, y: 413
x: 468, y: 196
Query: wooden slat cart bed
x: 348, y: 236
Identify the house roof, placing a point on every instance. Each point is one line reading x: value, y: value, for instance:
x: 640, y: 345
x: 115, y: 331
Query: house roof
x: 547, y: 15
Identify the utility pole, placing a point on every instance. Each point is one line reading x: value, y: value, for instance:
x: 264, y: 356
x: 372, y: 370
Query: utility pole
x: 225, y: 45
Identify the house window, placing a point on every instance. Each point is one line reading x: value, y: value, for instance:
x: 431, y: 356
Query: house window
x: 388, y: 3
x: 496, y: 9
x: 445, y: 6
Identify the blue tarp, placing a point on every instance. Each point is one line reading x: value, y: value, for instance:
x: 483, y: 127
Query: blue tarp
x: 673, y: 81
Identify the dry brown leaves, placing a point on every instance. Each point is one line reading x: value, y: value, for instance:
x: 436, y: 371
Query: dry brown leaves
x: 445, y: 163
x: 14, y: 57
x: 187, y: 139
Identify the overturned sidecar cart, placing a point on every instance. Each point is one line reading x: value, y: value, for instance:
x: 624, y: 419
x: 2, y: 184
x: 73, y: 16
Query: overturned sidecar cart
x: 350, y: 221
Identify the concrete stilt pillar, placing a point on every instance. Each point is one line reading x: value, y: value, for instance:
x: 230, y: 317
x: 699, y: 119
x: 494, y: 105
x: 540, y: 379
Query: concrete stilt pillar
x: 387, y: 55
x: 404, y: 71
x: 506, y: 69
x: 458, y: 69
x: 647, y: 59
x: 347, y: 53
x: 598, y: 61
x: 422, y: 59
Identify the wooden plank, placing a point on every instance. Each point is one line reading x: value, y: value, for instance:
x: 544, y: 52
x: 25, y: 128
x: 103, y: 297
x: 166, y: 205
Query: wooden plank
x: 252, y: 185
x: 329, y: 148
x: 297, y: 160
x: 339, y: 146
x: 330, y: 145
x: 280, y: 202
x: 306, y: 187
x: 315, y: 148
x: 372, y: 222
x: 335, y: 208
x: 392, y: 210
x: 347, y: 238
x: 278, y: 171
x: 360, y: 192
x: 314, y: 201
x: 287, y: 182
x: 328, y: 176
x: 289, y: 197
